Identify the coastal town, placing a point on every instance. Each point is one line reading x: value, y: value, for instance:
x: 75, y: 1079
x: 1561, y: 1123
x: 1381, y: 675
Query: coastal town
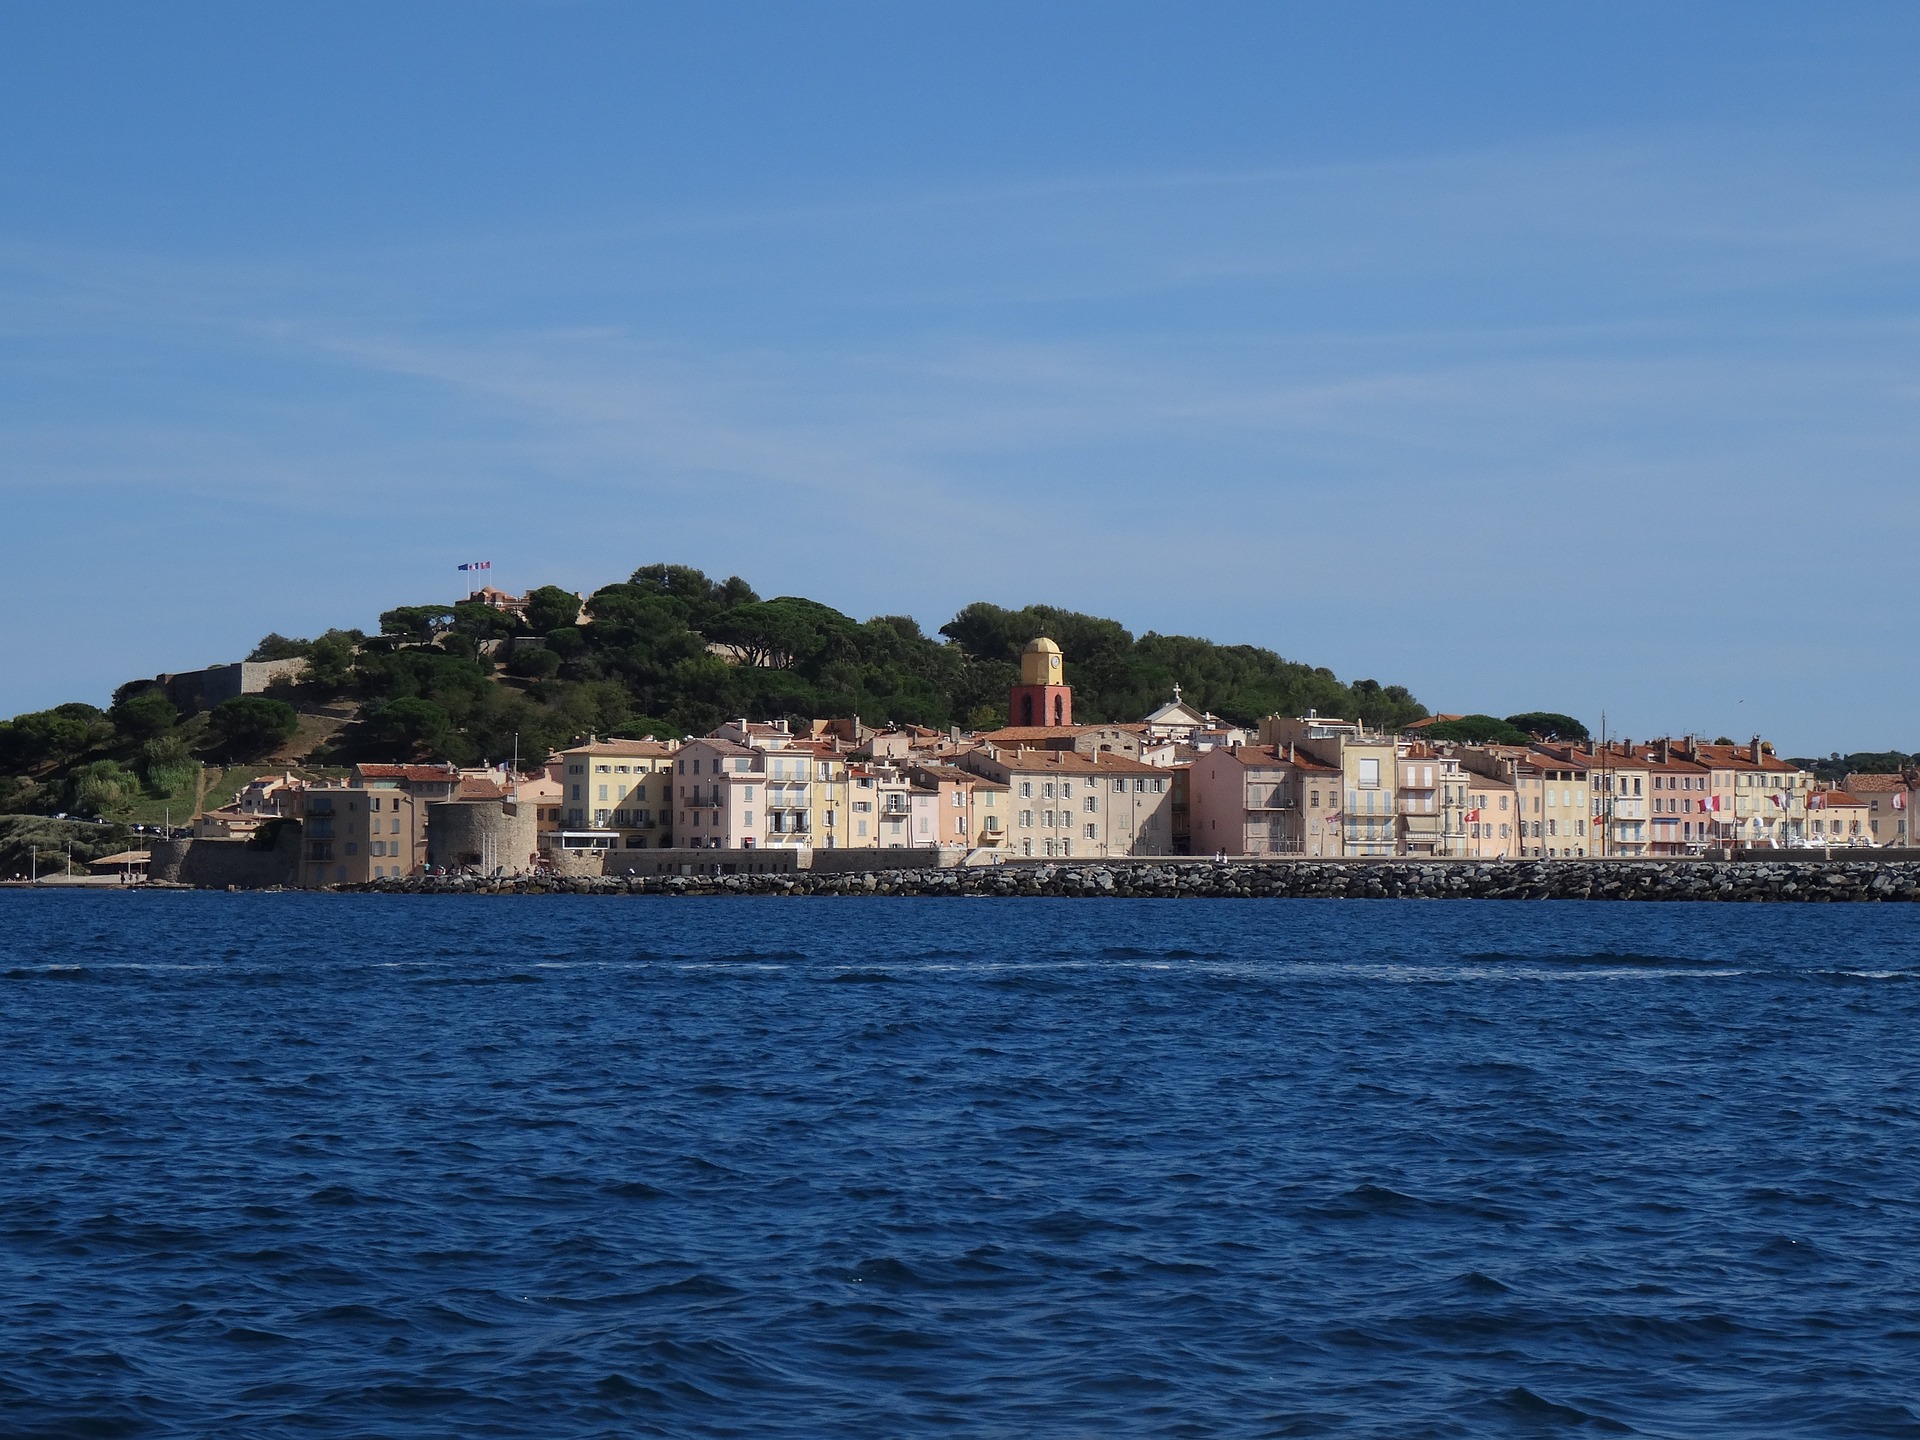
x: 838, y: 794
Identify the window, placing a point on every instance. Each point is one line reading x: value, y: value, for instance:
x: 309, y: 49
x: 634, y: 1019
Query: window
x: 1313, y: 799
x: 1092, y: 803
x: 1026, y: 789
x: 958, y: 800
x: 1046, y: 791
x: 602, y: 769
x: 748, y: 795
x: 1046, y: 819
x: 863, y: 807
x: 1026, y: 819
x: 1139, y: 787
x: 1066, y: 790
x: 1119, y: 787
x: 622, y: 770
x: 603, y: 793
x: 1370, y: 774
x: 1092, y: 832
x: 1159, y: 787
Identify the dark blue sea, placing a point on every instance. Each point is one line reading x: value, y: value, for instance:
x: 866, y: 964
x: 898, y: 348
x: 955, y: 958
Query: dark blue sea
x: 318, y: 1166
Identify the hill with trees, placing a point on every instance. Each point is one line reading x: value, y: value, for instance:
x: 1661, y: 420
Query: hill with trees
x: 666, y: 652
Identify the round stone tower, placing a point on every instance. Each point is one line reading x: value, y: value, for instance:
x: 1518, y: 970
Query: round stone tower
x: 484, y: 835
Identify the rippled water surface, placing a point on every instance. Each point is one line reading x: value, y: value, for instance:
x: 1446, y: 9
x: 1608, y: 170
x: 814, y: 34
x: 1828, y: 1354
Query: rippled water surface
x: 389, y: 1166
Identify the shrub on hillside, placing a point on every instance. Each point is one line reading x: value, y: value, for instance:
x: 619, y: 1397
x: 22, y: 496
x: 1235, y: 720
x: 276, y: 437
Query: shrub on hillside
x: 49, y: 737
x: 275, y: 646
x: 168, y: 769
x: 104, y: 787
x: 143, y: 716
x: 248, y: 726
x: 534, y: 663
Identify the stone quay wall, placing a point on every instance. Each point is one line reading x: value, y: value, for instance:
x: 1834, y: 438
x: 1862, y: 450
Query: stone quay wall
x: 1775, y: 881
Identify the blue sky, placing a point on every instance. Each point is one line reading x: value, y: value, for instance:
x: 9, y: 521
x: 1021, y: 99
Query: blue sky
x: 1531, y: 356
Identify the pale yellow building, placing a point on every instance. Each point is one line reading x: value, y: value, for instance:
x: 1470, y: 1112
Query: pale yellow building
x: 616, y: 794
x: 1552, y: 800
x: 1888, y: 799
x: 1367, y: 821
x: 1432, y: 801
x: 1759, y: 799
x: 1621, y: 782
x: 350, y: 834
x: 1838, y: 817
x: 1064, y: 805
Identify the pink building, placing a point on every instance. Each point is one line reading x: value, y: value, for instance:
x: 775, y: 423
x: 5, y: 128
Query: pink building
x: 1262, y: 800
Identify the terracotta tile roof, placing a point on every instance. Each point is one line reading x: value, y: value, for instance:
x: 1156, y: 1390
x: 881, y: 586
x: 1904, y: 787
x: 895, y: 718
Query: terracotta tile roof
x: 1875, y: 784
x: 445, y: 773
x: 1034, y: 761
x: 1834, y: 799
x: 1735, y: 757
x: 723, y: 747
x: 1648, y: 758
x: 646, y: 749
x: 1261, y: 756
x: 1013, y: 734
x: 471, y: 789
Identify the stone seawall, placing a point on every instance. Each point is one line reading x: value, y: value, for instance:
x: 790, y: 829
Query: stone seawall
x: 1776, y: 881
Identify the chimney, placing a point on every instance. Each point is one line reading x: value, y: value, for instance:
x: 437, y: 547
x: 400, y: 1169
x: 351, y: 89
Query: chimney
x: 1753, y: 750
x: 1666, y: 751
x: 1693, y: 747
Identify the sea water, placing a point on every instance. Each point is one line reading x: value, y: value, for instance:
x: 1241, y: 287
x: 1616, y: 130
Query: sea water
x: 298, y: 1165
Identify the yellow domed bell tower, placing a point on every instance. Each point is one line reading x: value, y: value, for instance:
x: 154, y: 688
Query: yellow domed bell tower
x: 1043, y: 696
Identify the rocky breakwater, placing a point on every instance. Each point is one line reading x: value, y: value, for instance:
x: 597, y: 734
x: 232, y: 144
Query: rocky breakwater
x: 1786, y: 880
